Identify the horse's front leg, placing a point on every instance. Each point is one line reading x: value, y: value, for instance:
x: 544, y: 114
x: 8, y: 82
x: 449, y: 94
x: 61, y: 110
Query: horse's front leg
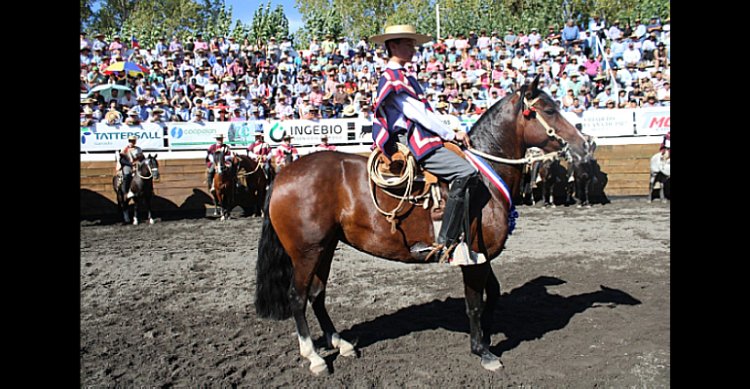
x: 147, y: 199
x: 135, y: 211
x: 651, y: 182
x: 661, y: 190
x: 475, y: 280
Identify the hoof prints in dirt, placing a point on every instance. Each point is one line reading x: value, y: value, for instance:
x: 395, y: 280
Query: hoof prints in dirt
x: 585, y: 303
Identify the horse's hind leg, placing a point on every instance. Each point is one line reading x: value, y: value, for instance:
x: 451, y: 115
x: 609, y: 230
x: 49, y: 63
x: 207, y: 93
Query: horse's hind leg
x: 148, y: 208
x: 475, y: 282
x: 317, y: 297
x: 303, y: 274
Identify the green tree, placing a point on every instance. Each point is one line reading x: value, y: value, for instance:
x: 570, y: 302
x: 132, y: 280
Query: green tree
x: 267, y: 24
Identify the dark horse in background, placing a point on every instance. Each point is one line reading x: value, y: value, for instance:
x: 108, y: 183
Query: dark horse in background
x: 324, y: 198
x: 225, y: 181
x: 142, y: 185
x: 252, y: 180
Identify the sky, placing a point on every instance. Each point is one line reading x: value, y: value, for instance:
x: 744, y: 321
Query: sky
x: 244, y: 10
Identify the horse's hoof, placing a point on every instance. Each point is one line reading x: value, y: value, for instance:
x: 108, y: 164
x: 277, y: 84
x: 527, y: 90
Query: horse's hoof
x: 347, y: 350
x: 579, y: 206
x: 491, y: 363
x: 150, y: 221
x: 664, y: 201
x: 223, y: 218
x: 135, y: 222
x: 319, y: 367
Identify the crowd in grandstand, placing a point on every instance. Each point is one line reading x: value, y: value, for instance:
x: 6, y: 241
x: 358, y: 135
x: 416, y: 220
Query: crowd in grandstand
x: 602, y: 65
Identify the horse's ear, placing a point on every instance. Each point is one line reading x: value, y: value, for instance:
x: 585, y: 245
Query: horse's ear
x: 534, y: 86
x: 149, y: 155
x: 522, y: 94
x: 155, y: 155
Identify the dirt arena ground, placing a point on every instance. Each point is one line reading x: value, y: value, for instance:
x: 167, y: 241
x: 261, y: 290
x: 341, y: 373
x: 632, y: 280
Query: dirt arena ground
x: 586, y: 301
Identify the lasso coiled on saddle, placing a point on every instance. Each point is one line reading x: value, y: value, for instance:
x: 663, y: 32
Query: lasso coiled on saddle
x: 405, y: 180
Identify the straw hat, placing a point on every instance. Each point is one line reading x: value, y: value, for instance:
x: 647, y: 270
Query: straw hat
x: 349, y: 111
x: 400, y: 31
x: 132, y: 137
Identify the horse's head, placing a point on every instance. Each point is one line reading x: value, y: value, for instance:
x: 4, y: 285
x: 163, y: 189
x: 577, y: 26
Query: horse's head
x: 150, y: 163
x: 219, y: 160
x: 541, y: 124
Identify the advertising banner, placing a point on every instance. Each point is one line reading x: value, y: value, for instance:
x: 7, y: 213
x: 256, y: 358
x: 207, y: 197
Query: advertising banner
x: 607, y: 122
x: 652, y: 120
x: 102, y: 137
x: 190, y: 135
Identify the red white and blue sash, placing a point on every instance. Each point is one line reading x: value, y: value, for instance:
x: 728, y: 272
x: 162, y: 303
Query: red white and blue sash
x: 486, y: 170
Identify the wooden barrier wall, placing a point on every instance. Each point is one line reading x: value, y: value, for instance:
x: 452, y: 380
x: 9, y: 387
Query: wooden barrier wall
x: 182, y: 186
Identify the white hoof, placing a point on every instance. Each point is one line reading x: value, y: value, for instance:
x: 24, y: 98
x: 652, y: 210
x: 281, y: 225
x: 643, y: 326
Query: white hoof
x: 345, y: 348
x: 492, y: 365
x: 150, y: 221
x: 318, y: 366
x: 135, y: 221
x: 223, y: 218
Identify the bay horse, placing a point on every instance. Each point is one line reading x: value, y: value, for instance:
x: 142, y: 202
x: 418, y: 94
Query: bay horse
x: 324, y: 198
x: 225, y: 182
x: 142, y: 186
x: 250, y: 175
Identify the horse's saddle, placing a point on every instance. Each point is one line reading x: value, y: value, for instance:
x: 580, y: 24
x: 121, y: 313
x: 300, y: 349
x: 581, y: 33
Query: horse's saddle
x: 428, y: 184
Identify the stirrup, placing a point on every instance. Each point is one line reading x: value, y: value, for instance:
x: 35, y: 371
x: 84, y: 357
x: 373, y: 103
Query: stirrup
x: 447, y: 252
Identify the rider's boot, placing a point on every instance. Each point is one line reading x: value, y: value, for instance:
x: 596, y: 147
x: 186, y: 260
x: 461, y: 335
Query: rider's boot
x: 453, y: 221
x: 211, y: 174
x: 126, y: 180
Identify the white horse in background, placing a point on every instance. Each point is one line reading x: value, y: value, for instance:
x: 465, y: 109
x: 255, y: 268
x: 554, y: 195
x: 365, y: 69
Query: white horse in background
x: 659, y: 174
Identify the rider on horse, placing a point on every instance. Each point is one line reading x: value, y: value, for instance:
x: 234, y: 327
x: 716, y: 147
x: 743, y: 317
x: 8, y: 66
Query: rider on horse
x: 324, y: 145
x: 219, y: 145
x: 403, y: 115
x: 128, y: 155
x: 260, y: 152
x: 285, y: 149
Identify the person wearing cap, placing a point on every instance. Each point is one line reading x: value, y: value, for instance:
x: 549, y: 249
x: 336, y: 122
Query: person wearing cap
x: 285, y: 152
x: 260, y: 151
x: 129, y: 155
x: 211, y: 164
x: 399, y: 103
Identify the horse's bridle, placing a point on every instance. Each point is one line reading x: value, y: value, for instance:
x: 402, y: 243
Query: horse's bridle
x: 551, y: 131
x: 150, y: 172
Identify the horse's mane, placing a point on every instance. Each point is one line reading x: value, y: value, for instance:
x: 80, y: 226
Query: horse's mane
x: 493, y: 128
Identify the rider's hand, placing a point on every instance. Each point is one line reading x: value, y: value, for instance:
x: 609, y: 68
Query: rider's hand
x: 463, y: 137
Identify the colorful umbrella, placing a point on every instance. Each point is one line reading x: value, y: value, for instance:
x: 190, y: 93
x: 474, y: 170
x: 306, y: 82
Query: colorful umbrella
x: 132, y: 68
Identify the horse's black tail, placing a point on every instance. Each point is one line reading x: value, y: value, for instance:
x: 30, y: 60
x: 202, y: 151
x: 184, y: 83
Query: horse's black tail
x: 273, y: 272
